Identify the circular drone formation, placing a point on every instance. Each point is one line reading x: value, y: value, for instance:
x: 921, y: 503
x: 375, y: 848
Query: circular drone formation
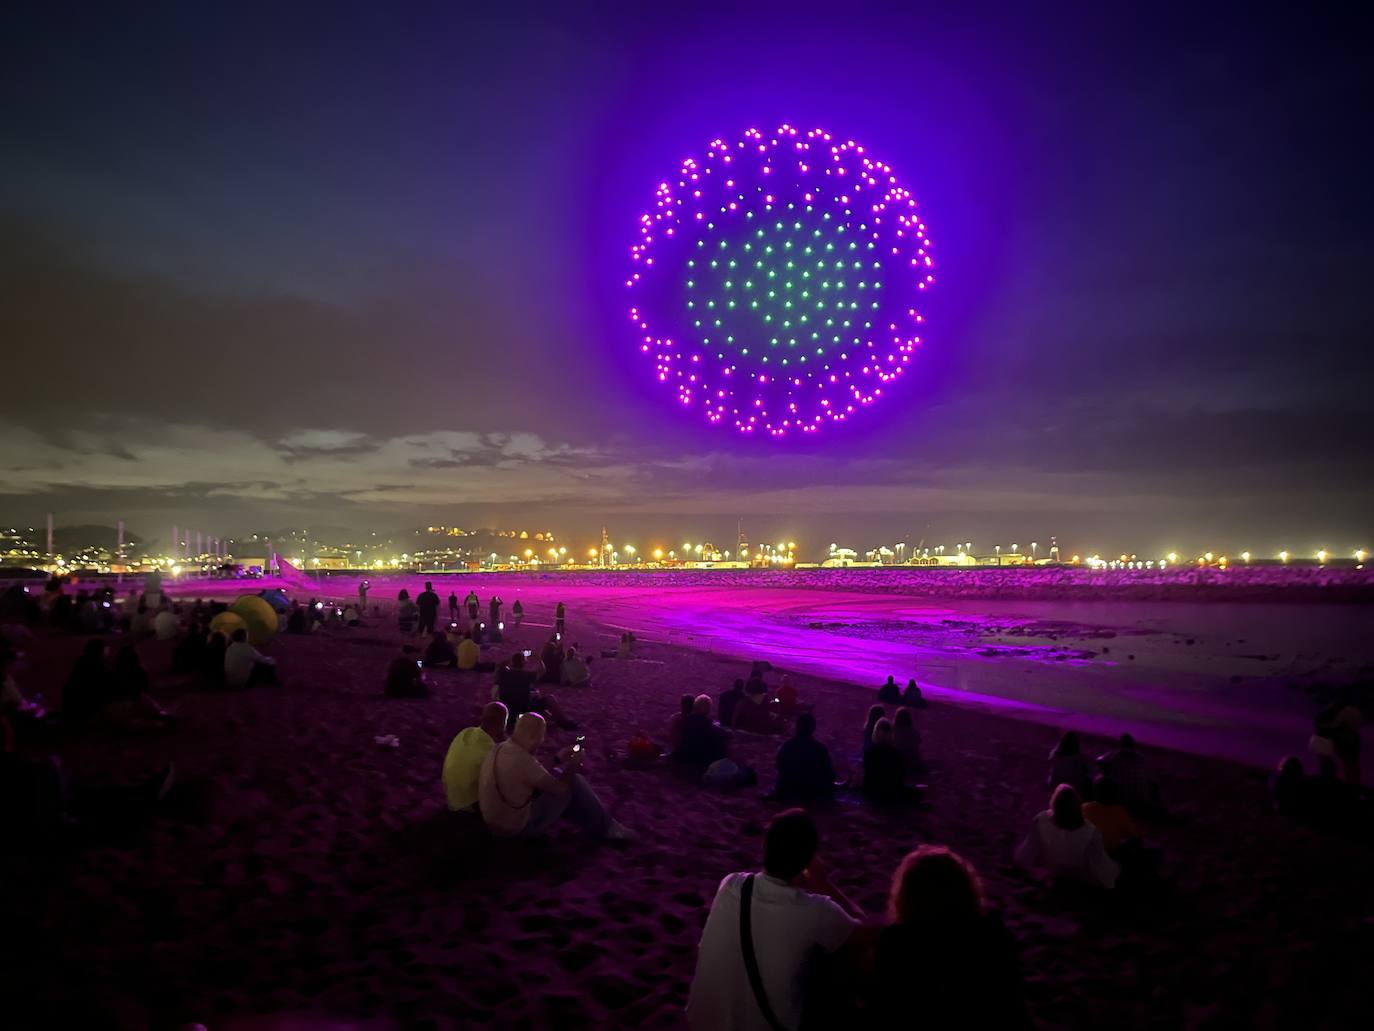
x: 776, y: 281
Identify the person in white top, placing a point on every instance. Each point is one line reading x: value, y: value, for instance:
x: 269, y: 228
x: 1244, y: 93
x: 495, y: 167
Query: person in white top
x: 519, y: 798
x: 1063, y: 844
x: 794, y: 911
x: 244, y: 665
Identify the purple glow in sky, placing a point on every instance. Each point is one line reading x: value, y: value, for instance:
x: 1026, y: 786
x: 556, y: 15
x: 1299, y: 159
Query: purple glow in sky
x: 776, y: 282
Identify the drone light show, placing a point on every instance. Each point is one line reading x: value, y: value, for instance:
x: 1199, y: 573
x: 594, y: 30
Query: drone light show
x: 777, y: 282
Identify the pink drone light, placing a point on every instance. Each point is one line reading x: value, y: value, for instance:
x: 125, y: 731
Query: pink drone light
x: 775, y: 282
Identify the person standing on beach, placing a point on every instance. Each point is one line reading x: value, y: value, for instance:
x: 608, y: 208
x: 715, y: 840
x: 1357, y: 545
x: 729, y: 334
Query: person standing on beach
x: 494, y: 609
x: 517, y: 612
x: 428, y: 604
x: 473, y: 605
x: 560, y: 615
x: 453, y: 606
x: 763, y: 932
x: 362, y: 597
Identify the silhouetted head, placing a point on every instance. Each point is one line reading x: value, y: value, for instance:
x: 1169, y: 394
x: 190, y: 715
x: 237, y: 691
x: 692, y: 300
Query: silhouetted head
x: 934, y: 886
x: 806, y: 725
x: 517, y: 661
x: 1066, y: 806
x: 1068, y: 745
x: 903, y: 719
x: 439, y: 637
x: 94, y: 650
x: 790, y: 844
x: 429, y: 586
x: 240, y: 635
x: 494, y: 716
x: 739, y: 684
x: 685, y: 703
x: 875, y: 713
x: 882, y: 732
x: 1290, y: 768
x: 1126, y: 741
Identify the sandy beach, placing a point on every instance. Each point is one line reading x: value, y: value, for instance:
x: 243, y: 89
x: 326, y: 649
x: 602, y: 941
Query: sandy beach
x: 303, y: 875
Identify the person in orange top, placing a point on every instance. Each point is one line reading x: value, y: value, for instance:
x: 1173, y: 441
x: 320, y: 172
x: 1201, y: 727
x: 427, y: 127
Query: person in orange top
x: 787, y: 697
x: 1109, y: 816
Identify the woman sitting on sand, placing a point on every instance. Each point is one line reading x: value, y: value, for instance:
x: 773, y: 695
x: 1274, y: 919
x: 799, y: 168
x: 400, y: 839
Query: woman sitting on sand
x: 944, y: 961
x: 912, y: 697
x: 907, y: 740
x: 89, y: 685
x: 1068, y: 765
x: 729, y: 700
x: 875, y: 713
x: 551, y: 657
x: 1065, y: 845
x: 703, y: 742
x: 884, y: 766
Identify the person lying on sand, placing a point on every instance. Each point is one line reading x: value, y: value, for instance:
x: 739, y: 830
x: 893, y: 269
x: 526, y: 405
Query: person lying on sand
x: 763, y: 933
x: 463, y: 763
x: 518, y: 797
x: 1064, y: 845
x: 945, y: 960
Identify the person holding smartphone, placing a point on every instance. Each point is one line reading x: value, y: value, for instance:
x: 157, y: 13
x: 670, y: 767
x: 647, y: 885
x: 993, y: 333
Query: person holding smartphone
x: 515, y: 687
x: 518, y: 797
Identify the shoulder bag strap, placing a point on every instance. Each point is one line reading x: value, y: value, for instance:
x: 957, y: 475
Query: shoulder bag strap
x: 751, y: 963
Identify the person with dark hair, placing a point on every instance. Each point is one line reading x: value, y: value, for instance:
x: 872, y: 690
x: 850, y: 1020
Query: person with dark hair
x: 560, y: 619
x: 907, y: 740
x: 729, y: 699
x: 1064, y: 845
x: 90, y: 685
x: 244, y: 665
x: 517, y: 612
x: 439, y: 652
x: 1111, y: 818
x: 404, y: 676
x: 805, y: 772
x: 764, y: 931
x: 753, y: 714
x: 575, y: 672
x: 190, y: 650
x: 890, y: 693
x: 884, y: 766
x: 515, y: 687
x: 427, y: 603
x: 472, y: 603
x: 1127, y: 767
x: 407, y: 613
x: 685, y: 705
x: 453, y: 606
x: 466, y: 753
x: 944, y: 961
x: 912, y: 697
x: 212, y: 662
x: 789, y: 702
x: 131, y: 707
x: 1289, y: 791
x: 551, y: 661
x: 703, y: 742
x: 494, y: 612
x: 1068, y: 765
x: 1339, y: 723
x: 875, y: 713
x: 298, y: 619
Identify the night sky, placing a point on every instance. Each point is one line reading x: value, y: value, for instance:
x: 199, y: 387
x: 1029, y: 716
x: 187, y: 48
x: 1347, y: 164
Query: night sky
x: 364, y: 267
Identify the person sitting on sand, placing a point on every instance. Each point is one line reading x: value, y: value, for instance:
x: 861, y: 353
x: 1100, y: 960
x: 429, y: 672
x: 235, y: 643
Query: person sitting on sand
x: 404, y: 676
x: 297, y: 620
x: 890, y: 693
x: 729, y: 701
x: 685, y: 704
x: 575, y: 671
x: 1127, y: 767
x: 1339, y: 723
x: 753, y: 715
x: 884, y: 766
x: 89, y: 685
x: 439, y: 652
x: 244, y: 665
x: 190, y: 650
x: 141, y: 625
x: 1068, y: 765
x: 131, y: 707
x: 784, y: 917
x: 944, y: 960
x: 1065, y: 845
x: 551, y: 658
x: 912, y: 697
x: 518, y: 797
x: 875, y: 713
x: 407, y: 613
x: 907, y: 740
x: 1289, y: 791
x: 212, y: 663
x: 467, y: 751
x: 625, y: 649
x: 515, y: 686
x: 703, y: 742
x: 805, y: 772
x: 1111, y: 818
x: 469, y: 652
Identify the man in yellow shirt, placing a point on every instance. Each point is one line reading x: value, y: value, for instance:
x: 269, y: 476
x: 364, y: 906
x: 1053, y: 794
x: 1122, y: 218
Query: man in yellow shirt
x: 463, y: 763
x: 469, y: 653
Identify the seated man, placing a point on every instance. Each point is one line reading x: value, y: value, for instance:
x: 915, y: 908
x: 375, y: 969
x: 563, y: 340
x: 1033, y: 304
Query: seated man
x: 1126, y: 766
x: 463, y: 763
x: 805, y: 771
x: 794, y: 912
x: 244, y: 665
x: 575, y: 672
x: 702, y: 742
x: 551, y: 658
x: 404, y: 678
x: 890, y: 693
x: 519, y: 798
x: 515, y: 687
x: 439, y: 652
